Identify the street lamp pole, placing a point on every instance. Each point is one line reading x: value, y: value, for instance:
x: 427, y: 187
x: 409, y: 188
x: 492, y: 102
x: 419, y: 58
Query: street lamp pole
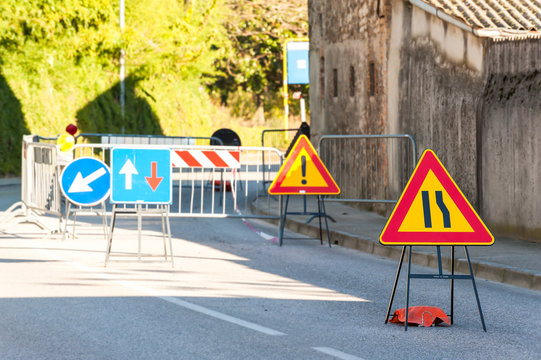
x: 122, y: 71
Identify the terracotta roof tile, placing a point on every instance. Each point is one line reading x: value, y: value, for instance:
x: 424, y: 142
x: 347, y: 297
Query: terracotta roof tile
x: 514, y: 15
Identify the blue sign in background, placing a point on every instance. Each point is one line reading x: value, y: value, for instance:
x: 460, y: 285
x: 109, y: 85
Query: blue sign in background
x: 298, y: 63
x: 136, y: 174
x: 86, y: 181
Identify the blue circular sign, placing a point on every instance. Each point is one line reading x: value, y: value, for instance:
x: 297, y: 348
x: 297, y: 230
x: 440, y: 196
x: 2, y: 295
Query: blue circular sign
x: 86, y: 181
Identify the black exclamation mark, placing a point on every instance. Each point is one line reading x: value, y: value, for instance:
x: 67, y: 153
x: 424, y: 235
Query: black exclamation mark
x: 303, y: 161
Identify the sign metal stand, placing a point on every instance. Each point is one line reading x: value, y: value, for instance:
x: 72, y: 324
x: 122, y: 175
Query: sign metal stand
x: 303, y: 173
x: 141, y: 177
x: 432, y: 211
x: 321, y: 212
x: 439, y: 275
x: 162, y: 210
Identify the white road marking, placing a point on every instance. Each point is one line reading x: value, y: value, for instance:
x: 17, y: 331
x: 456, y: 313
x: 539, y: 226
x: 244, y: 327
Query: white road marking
x: 170, y: 299
x: 336, y: 353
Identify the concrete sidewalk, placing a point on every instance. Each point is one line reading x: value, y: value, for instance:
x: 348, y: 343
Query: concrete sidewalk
x: 510, y: 261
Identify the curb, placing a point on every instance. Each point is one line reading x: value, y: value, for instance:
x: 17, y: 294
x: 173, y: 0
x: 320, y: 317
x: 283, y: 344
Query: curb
x: 481, y: 269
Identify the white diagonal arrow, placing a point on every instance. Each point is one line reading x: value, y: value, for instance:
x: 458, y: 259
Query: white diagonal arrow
x: 80, y: 184
x: 128, y: 169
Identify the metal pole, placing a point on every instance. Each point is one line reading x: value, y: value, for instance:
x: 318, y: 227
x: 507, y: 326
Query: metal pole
x: 395, y: 283
x: 475, y: 290
x: 408, y: 290
x: 452, y: 282
x: 286, y: 93
x: 303, y: 110
x: 122, y: 70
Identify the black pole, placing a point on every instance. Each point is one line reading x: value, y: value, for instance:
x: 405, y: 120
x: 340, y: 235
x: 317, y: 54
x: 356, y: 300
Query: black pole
x: 475, y: 290
x: 319, y: 218
x: 283, y: 220
x: 326, y: 222
x: 452, y: 281
x: 408, y: 291
x: 395, y: 283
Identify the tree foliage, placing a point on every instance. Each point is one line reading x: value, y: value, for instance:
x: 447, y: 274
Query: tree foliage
x: 59, y: 64
x: 253, y: 60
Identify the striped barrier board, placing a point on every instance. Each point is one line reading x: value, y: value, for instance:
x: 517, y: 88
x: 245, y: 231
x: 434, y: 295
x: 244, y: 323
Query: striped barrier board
x: 213, y: 159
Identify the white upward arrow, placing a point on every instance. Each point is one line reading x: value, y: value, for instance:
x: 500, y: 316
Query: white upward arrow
x: 80, y: 184
x: 128, y: 169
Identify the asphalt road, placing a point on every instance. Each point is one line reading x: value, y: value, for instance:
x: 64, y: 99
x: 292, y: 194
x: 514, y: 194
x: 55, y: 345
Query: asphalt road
x: 234, y: 295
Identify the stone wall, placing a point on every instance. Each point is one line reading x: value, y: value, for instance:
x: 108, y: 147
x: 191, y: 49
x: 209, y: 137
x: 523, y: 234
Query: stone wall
x: 348, y: 53
x: 439, y: 83
x: 386, y: 66
x: 509, y: 141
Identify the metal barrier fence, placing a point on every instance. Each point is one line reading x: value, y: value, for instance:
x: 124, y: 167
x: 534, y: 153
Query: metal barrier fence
x: 147, y: 139
x: 275, y: 138
x: 40, y: 189
x: 210, y: 191
x: 369, y: 168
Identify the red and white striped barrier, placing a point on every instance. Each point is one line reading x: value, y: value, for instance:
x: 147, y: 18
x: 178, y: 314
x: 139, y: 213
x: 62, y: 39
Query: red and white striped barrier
x: 213, y: 159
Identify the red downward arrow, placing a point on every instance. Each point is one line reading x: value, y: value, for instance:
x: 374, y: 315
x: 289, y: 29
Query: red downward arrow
x: 154, y: 181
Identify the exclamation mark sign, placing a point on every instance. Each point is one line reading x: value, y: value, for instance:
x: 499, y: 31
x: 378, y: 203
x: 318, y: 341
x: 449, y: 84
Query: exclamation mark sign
x: 303, y: 168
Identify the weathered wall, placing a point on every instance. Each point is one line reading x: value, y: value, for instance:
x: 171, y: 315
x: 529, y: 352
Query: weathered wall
x: 439, y: 83
x: 476, y: 102
x: 510, y: 138
x: 348, y: 50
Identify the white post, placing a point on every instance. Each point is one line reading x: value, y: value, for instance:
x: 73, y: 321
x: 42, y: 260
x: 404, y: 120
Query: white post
x: 303, y: 111
x: 122, y: 71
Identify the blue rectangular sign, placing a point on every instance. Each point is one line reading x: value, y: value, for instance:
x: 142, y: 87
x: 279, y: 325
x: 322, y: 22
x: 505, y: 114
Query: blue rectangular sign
x: 297, y: 53
x: 141, y: 175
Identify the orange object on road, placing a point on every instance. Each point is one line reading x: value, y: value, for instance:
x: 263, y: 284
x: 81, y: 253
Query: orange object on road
x: 421, y: 315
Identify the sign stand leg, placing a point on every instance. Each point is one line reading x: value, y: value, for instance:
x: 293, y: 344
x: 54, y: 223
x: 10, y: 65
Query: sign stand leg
x: 320, y: 198
x: 283, y: 219
x: 452, y: 282
x: 319, y: 218
x: 163, y: 231
x: 139, y: 230
x: 408, y: 290
x: 321, y: 213
x: 475, y: 290
x: 395, y: 283
x: 168, y: 223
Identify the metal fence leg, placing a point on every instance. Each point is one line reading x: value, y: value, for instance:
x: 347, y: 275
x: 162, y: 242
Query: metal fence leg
x: 170, y: 240
x: 139, y: 230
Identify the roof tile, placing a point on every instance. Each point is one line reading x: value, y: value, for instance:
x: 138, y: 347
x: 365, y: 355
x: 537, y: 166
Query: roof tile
x: 514, y: 15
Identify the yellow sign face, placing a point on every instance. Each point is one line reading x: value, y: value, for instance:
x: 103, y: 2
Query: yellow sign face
x: 303, y: 173
x: 440, y: 221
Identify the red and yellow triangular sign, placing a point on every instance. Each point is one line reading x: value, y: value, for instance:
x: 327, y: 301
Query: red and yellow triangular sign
x: 303, y: 173
x: 433, y: 211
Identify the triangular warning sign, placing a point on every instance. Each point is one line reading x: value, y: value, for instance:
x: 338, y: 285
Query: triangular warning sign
x: 433, y: 211
x: 303, y: 173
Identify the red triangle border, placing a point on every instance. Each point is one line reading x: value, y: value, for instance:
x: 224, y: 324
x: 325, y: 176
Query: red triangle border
x: 390, y: 234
